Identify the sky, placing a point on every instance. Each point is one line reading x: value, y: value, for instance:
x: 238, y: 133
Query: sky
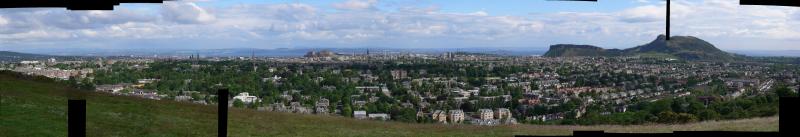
x: 265, y: 24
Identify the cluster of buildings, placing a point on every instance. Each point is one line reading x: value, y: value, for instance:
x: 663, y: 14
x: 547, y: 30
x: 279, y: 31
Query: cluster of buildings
x: 482, y: 117
x: 441, y: 93
x: 127, y: 89
x: 53, y: 72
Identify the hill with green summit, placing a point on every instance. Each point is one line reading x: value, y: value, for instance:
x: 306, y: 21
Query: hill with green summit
x: 682, y: 47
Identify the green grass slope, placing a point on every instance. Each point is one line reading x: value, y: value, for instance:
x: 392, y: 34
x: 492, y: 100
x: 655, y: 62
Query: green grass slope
x: 34, y: 108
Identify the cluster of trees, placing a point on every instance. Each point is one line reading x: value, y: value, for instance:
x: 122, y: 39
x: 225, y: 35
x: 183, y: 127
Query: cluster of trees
x: 682, y: 110
x: 83, y: 84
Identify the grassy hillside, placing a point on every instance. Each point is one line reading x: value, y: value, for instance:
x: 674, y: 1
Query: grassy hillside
x: 34, y: 108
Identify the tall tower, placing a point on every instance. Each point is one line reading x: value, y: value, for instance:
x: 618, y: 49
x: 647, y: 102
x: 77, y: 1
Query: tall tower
x: 253, y: 60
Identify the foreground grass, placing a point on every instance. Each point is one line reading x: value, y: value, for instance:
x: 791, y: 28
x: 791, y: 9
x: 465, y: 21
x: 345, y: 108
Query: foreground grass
x: 766, y: 124
x: 29, y: 108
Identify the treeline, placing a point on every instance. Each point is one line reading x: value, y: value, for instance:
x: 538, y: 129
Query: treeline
x: 18, y: 75
x: 72, y: 82
x: 684, y: 110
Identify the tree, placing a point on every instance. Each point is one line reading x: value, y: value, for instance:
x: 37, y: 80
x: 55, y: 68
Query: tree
x: 404, y: 114
x: 784, y: 91
x: 86, y: 85
x: 72, y: 81
x: 238, y: 103
x: 672, y: 117
x: 660, y: 106
x: 708, y: 115
x: 347, y: 111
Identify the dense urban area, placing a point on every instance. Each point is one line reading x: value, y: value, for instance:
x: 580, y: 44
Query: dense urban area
x: 449, y: 88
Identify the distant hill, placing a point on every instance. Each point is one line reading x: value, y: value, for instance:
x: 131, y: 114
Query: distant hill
x: 9, y: 56
x: 569, y: 50
x: 39, y: 108
x: 682, y: 47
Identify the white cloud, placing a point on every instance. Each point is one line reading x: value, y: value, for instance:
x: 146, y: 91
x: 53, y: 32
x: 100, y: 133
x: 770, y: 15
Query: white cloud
x: 295, y: 23
x: 680, y: 9
x: 797, y: 15
x: 35, y: 34
x: 89, y: 33
x: 306, y: 25
x: 724, y: 18
x: 729, y: 25
x: 356, y: 5
x: 648, y: 13
x: 480, y: 13
x: 415, y: 9
x: 3, y: 21
x: 186, y: 12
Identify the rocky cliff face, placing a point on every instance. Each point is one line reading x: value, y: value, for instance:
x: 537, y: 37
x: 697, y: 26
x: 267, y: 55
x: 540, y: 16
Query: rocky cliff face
x: 568, y: 50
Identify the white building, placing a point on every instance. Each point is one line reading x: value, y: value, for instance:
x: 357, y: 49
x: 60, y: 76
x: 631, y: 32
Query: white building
x: 110, y: 88
x: 146, y: 81
x: 183, y: 98
x: 246, y: 98
x: 322, y: 106
x: 29, y: 62
x: 360, y: 114
x: 379, y: 116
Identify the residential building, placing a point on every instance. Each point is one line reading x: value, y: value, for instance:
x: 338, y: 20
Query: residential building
x: 439, y: 115
x: 246, y: 98
x: 456, y: 116
x: 503, y: 113
x: 360, y: 114
x: 486, y: 114
x: 110, y: 88
x: 183, y: 98
x: 379, y: 116
x: 322, y: 106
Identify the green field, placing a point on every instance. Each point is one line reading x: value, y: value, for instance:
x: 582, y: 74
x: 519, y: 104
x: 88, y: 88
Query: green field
x: 32, y: 108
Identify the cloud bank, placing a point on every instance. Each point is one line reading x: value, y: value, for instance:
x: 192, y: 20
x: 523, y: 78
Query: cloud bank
x: 360, y: 23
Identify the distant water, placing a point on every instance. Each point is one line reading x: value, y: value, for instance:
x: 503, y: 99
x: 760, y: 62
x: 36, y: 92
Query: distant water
x: 766, y: 53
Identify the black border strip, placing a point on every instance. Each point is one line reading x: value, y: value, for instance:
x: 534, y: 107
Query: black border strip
x: 791, y: 3
x: 76, y: 118
x: 222, y: 119
x: 71, y: 4
x: 788, y: 109
x: 668, y: 16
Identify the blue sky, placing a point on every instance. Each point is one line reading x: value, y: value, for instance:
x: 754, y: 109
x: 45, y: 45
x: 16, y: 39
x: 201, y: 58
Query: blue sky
x: 534, y: 24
